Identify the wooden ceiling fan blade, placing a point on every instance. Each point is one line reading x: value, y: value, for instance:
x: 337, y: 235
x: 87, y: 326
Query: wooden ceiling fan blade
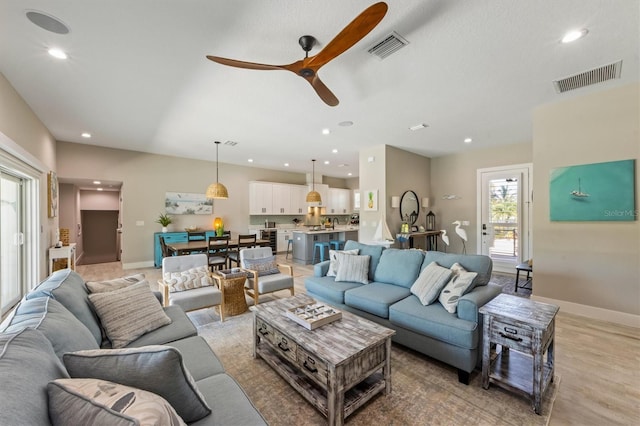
x: 351, y: 34
x: 323, y: 91
x: 243, y: 64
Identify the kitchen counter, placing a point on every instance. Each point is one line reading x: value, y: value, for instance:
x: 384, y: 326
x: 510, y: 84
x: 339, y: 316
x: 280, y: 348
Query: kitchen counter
x: 308, y: 230
x: 304, y: 240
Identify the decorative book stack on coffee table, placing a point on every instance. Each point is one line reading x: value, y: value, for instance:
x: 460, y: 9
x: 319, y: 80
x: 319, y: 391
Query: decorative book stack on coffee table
x: 337, y: 367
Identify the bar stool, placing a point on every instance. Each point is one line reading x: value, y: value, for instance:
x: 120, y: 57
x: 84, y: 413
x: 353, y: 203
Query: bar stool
x: 289, y: 248
x: 337, y: 244
x: 528, y: 267
x: 319, y: 245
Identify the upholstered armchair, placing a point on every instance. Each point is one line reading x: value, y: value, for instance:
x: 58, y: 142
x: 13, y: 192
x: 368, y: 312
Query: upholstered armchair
x: 265, y: 275
x: 186, y: 282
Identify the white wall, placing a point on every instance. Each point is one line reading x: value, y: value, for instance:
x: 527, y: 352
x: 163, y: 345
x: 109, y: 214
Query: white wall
x: 147, y: 177
x: 591, y: 268
x: 35, y: 144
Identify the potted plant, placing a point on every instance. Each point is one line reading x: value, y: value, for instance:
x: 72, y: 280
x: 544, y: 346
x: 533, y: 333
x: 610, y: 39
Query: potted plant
x: 164, y: 220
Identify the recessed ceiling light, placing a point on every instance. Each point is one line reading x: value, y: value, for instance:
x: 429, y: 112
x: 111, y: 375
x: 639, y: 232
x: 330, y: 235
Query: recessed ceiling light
x: 86, y: 135
x: 418, y: 126
x: 345, y: 123
x: 349, y: 174
x: 57, y: 53
x: 335, y: 151
x: 326, y: 162
x: 286, y: 164
x: 468, y: 140
x: 326, y: 131
x: 574, y: 35
x: 47, y: 22
x: 99, y: 189
x: 250, y: 160
x: 96, y: 182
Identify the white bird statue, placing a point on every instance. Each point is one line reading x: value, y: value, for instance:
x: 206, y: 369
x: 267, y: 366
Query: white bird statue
x: 445, y: 238
x: 462, y: 234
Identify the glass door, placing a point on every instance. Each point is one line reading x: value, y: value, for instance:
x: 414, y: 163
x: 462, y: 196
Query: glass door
x: 11, y: 241
x: 504, y: 215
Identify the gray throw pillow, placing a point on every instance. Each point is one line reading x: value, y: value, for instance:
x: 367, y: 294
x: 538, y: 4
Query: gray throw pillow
x: 155, y: 368
x: 430, y: 283
x: 114, y: 284
x: 334, y: 263
x: 460, y: 282
x: 99, y: 402
x: 264, y: 266
x: 128, y: 313
x: 353, y: 268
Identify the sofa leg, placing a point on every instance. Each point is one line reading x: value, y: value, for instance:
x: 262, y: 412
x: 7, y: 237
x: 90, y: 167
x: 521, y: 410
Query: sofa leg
x: 463, y: 377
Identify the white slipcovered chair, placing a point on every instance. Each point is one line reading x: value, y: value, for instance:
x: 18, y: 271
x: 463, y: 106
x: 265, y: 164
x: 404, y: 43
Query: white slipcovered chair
x: 263, y: 278
x: 189, y: 299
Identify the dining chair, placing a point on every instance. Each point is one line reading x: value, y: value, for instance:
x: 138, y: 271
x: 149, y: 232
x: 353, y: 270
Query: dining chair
x: 218, y: 252
x: 196, y: 235
x: 244, y: 241
x: 163, y: 247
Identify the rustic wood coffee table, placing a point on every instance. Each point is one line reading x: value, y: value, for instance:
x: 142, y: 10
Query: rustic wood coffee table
x: 337, y: 367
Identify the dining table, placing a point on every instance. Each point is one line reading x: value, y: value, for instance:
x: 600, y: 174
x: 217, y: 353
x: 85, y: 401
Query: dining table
x: 179, y: 249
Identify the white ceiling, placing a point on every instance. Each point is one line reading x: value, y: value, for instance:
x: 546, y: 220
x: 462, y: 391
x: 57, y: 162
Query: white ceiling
x: 137, y: 77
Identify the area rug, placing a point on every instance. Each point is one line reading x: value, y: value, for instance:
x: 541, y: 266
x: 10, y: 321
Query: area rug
x: 424, y: 391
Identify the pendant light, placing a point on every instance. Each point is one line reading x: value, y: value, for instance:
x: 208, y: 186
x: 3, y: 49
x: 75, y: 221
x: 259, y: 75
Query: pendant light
x: 217, y: 190
x: 313, y: 196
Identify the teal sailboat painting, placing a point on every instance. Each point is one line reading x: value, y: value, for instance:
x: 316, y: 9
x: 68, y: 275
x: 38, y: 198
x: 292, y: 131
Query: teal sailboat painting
x: 593, y: 192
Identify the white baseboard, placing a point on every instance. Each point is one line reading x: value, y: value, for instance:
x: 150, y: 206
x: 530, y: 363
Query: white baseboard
x: 617, y: 317
x: 137, y: 265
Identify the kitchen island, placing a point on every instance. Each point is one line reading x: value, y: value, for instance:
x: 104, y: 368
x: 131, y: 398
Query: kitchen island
x: 304, y: 239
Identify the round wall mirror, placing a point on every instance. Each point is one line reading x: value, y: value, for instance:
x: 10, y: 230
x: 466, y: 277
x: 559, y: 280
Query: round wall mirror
x: 409, y: 207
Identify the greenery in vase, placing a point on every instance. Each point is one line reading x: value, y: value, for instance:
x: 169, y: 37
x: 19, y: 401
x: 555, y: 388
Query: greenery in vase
x: 164, y: 219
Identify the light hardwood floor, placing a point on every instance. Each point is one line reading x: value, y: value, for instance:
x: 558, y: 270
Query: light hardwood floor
x: 598, y: 362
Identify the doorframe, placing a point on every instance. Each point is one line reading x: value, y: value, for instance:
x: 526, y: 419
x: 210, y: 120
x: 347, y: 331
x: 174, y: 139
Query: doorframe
x: 526, y: 207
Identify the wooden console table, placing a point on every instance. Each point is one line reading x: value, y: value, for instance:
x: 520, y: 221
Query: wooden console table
x: 527, y: 327
x: 331, y: 369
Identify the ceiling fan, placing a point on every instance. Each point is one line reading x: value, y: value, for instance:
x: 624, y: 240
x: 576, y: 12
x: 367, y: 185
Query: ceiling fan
x: 308, y: 67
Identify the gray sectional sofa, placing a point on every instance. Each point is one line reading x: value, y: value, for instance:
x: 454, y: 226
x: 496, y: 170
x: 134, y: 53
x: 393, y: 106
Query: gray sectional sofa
x: 453, y: 338
x: 39, y: 343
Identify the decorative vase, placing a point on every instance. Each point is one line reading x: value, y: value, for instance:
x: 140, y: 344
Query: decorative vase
x: 165, y: 229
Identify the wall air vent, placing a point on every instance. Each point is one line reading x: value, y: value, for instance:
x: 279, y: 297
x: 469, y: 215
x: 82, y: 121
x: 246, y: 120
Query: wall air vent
x: 388, y: 45
x: 587, y: 78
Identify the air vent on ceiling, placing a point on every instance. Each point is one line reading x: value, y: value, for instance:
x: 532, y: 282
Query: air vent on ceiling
x: 231, y: 143
x: 587, y: 78
x: 388, y: 45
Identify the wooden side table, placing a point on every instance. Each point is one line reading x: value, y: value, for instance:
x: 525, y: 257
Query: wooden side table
x: 528, y: 328
x: 232, y: 287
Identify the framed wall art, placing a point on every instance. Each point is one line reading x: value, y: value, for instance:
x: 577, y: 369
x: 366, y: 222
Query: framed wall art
x: 371, y: 200
x: 52, y: 194
x: 187, y: 203
x: 593, y: 192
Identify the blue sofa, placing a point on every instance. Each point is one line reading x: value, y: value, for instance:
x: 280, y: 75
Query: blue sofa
x: 455, y: 339
x: 56, y: 319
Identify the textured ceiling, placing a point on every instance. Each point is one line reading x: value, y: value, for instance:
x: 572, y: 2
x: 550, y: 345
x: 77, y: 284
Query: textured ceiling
x: 137, y: 77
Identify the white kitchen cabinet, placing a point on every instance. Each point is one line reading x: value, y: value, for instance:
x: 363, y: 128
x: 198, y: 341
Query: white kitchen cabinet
x: 281, y: 198
x: 260, y: 198
x: 282, y: 240
x: 356, y: 200
x: 339, y: 201
x: 298, y: 199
